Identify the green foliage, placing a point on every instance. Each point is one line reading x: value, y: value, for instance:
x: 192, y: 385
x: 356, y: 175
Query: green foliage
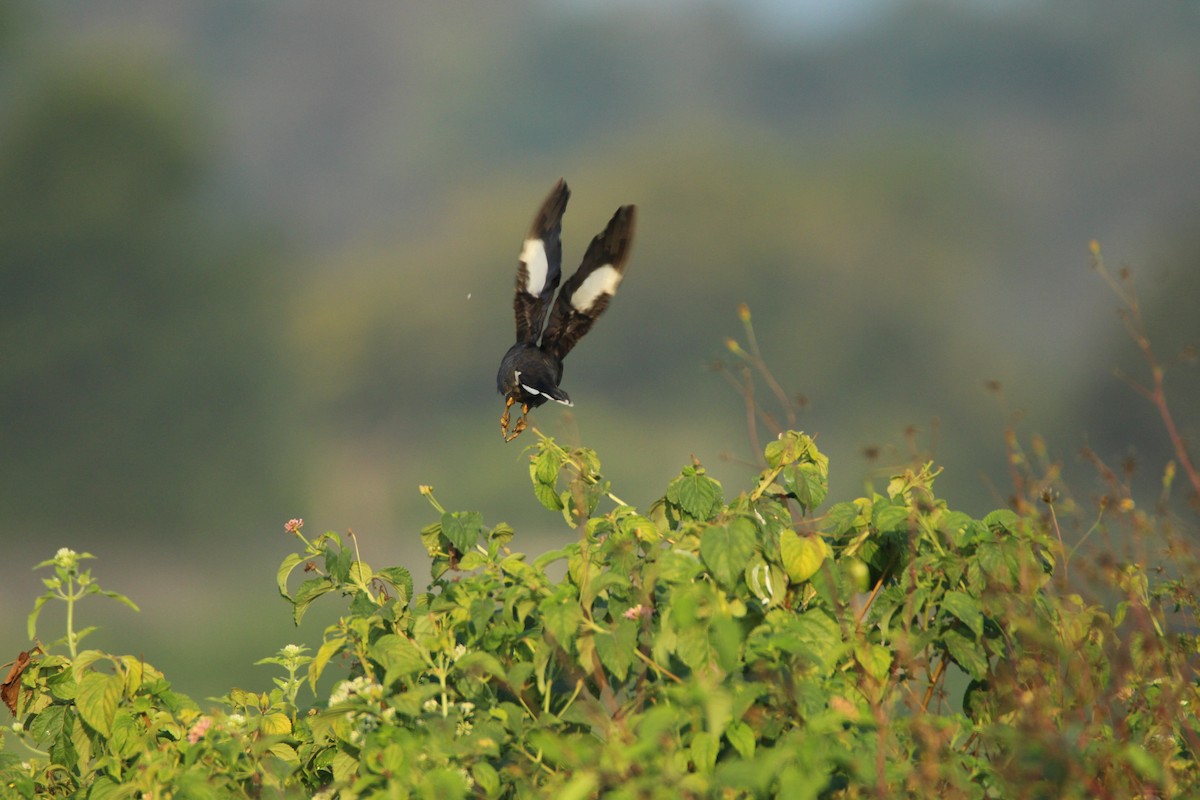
x: 890, y: 646
x: 135, y: 309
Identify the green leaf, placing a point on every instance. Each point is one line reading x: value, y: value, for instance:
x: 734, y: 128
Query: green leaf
x: 285, y: 570
x: 360, y: 574
x: 547, y: 495
x: 399, y: 656
x: 125, y: 738
x: 275, y: 723
x: 889, y: 517
x: 285, y: 753
x: 819, y: 634
x: 790, y: 446
x: 616, y: 647
x: 767, y: 581
x: 695, y: 647
x: 522, y: 573
x: 696, y: 494
x: 326, y: 651
x: 741, y: 736
x: 842, y: 519
x: 1146, y: 765
x: 726, y: 637
x: 561, y: 615
x: 486, y: 778
x: 876, y: 660
x: 105, y: 788
x: 581, y: 786
x: 337, y: 562
x: 957, y: 526
x: 97, y: 700
x: 462, y: 529
x: 726, y: 549
x: 802, y: 556
x: 480, y: 662
x: 63, y: 686
x: 31, y: 625
x: 967, y: 653
x: 966, y: 609
x: 601, y: 583
x: 502, y: 534
x: 431, y: 537
x: 704, y: 752
x: 50, y: 724
x: 309, y: 591
x: 401, y: 579
x: 544, y: 467
x: 122, y: 599
x: 806, y: 482
x: 243, y: 699
x: 678, y: 566
x: 1003, y: 519
x: 471, y: 560
x: 550, y: 556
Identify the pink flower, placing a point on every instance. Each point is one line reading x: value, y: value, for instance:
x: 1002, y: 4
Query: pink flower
x: 638, y: 611
x: 294, y: 525
x: 199, y: 729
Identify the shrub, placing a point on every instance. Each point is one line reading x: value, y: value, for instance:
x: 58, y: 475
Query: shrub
x: 739, y: 647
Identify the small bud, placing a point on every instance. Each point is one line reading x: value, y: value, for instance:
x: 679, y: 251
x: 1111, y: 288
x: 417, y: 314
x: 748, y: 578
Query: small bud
x: 744, y: 312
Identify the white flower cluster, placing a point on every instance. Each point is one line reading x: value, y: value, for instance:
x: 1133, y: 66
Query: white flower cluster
x: 361, y: 686
x: 66, y: 558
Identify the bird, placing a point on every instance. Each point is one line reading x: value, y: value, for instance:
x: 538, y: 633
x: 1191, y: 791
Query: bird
x: 532, y: 368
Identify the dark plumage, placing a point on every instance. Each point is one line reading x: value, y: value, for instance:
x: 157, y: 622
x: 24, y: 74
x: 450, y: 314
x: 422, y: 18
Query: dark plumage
x: 532, y: 368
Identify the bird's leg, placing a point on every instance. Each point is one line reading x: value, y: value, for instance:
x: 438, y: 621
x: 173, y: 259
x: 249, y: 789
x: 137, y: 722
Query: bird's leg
x: 504, y: 420
x: 520, y: 426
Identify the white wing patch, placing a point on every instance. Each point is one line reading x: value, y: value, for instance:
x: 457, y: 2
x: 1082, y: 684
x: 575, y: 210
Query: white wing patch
x: 533, y: 391
x: 604, y: 280
x: 533, y: 256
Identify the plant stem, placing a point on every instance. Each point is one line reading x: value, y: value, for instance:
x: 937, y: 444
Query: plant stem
x: 70, y: 597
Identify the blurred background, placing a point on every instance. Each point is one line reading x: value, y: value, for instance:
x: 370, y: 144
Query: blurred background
x: 256, y: 263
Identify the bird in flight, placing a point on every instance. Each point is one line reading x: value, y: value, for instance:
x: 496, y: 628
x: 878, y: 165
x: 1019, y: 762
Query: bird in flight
x: 531, y: 369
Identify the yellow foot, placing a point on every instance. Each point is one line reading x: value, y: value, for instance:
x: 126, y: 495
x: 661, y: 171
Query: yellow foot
x: 504, y: 419
x: 520, y: 426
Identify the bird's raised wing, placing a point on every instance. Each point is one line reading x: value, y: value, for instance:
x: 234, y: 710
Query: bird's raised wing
x: 585, y: 295
x: 540, y: 265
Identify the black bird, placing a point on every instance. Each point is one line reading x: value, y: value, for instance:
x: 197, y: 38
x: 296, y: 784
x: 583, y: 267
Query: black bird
x: 530, y: 371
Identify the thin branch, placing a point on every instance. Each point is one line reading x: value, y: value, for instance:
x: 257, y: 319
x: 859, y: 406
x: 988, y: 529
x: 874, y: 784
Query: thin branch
x: 933, y: 682
x: 1134, y: 324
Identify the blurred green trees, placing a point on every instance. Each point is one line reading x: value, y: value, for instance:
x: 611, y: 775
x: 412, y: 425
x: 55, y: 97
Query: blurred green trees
x: 140, y: 382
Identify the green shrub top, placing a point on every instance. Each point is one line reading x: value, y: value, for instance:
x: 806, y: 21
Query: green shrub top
x: 760, y: 645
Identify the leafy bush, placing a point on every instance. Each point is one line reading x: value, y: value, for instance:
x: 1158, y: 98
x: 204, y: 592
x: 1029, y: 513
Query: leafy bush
x: 890, y: 646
